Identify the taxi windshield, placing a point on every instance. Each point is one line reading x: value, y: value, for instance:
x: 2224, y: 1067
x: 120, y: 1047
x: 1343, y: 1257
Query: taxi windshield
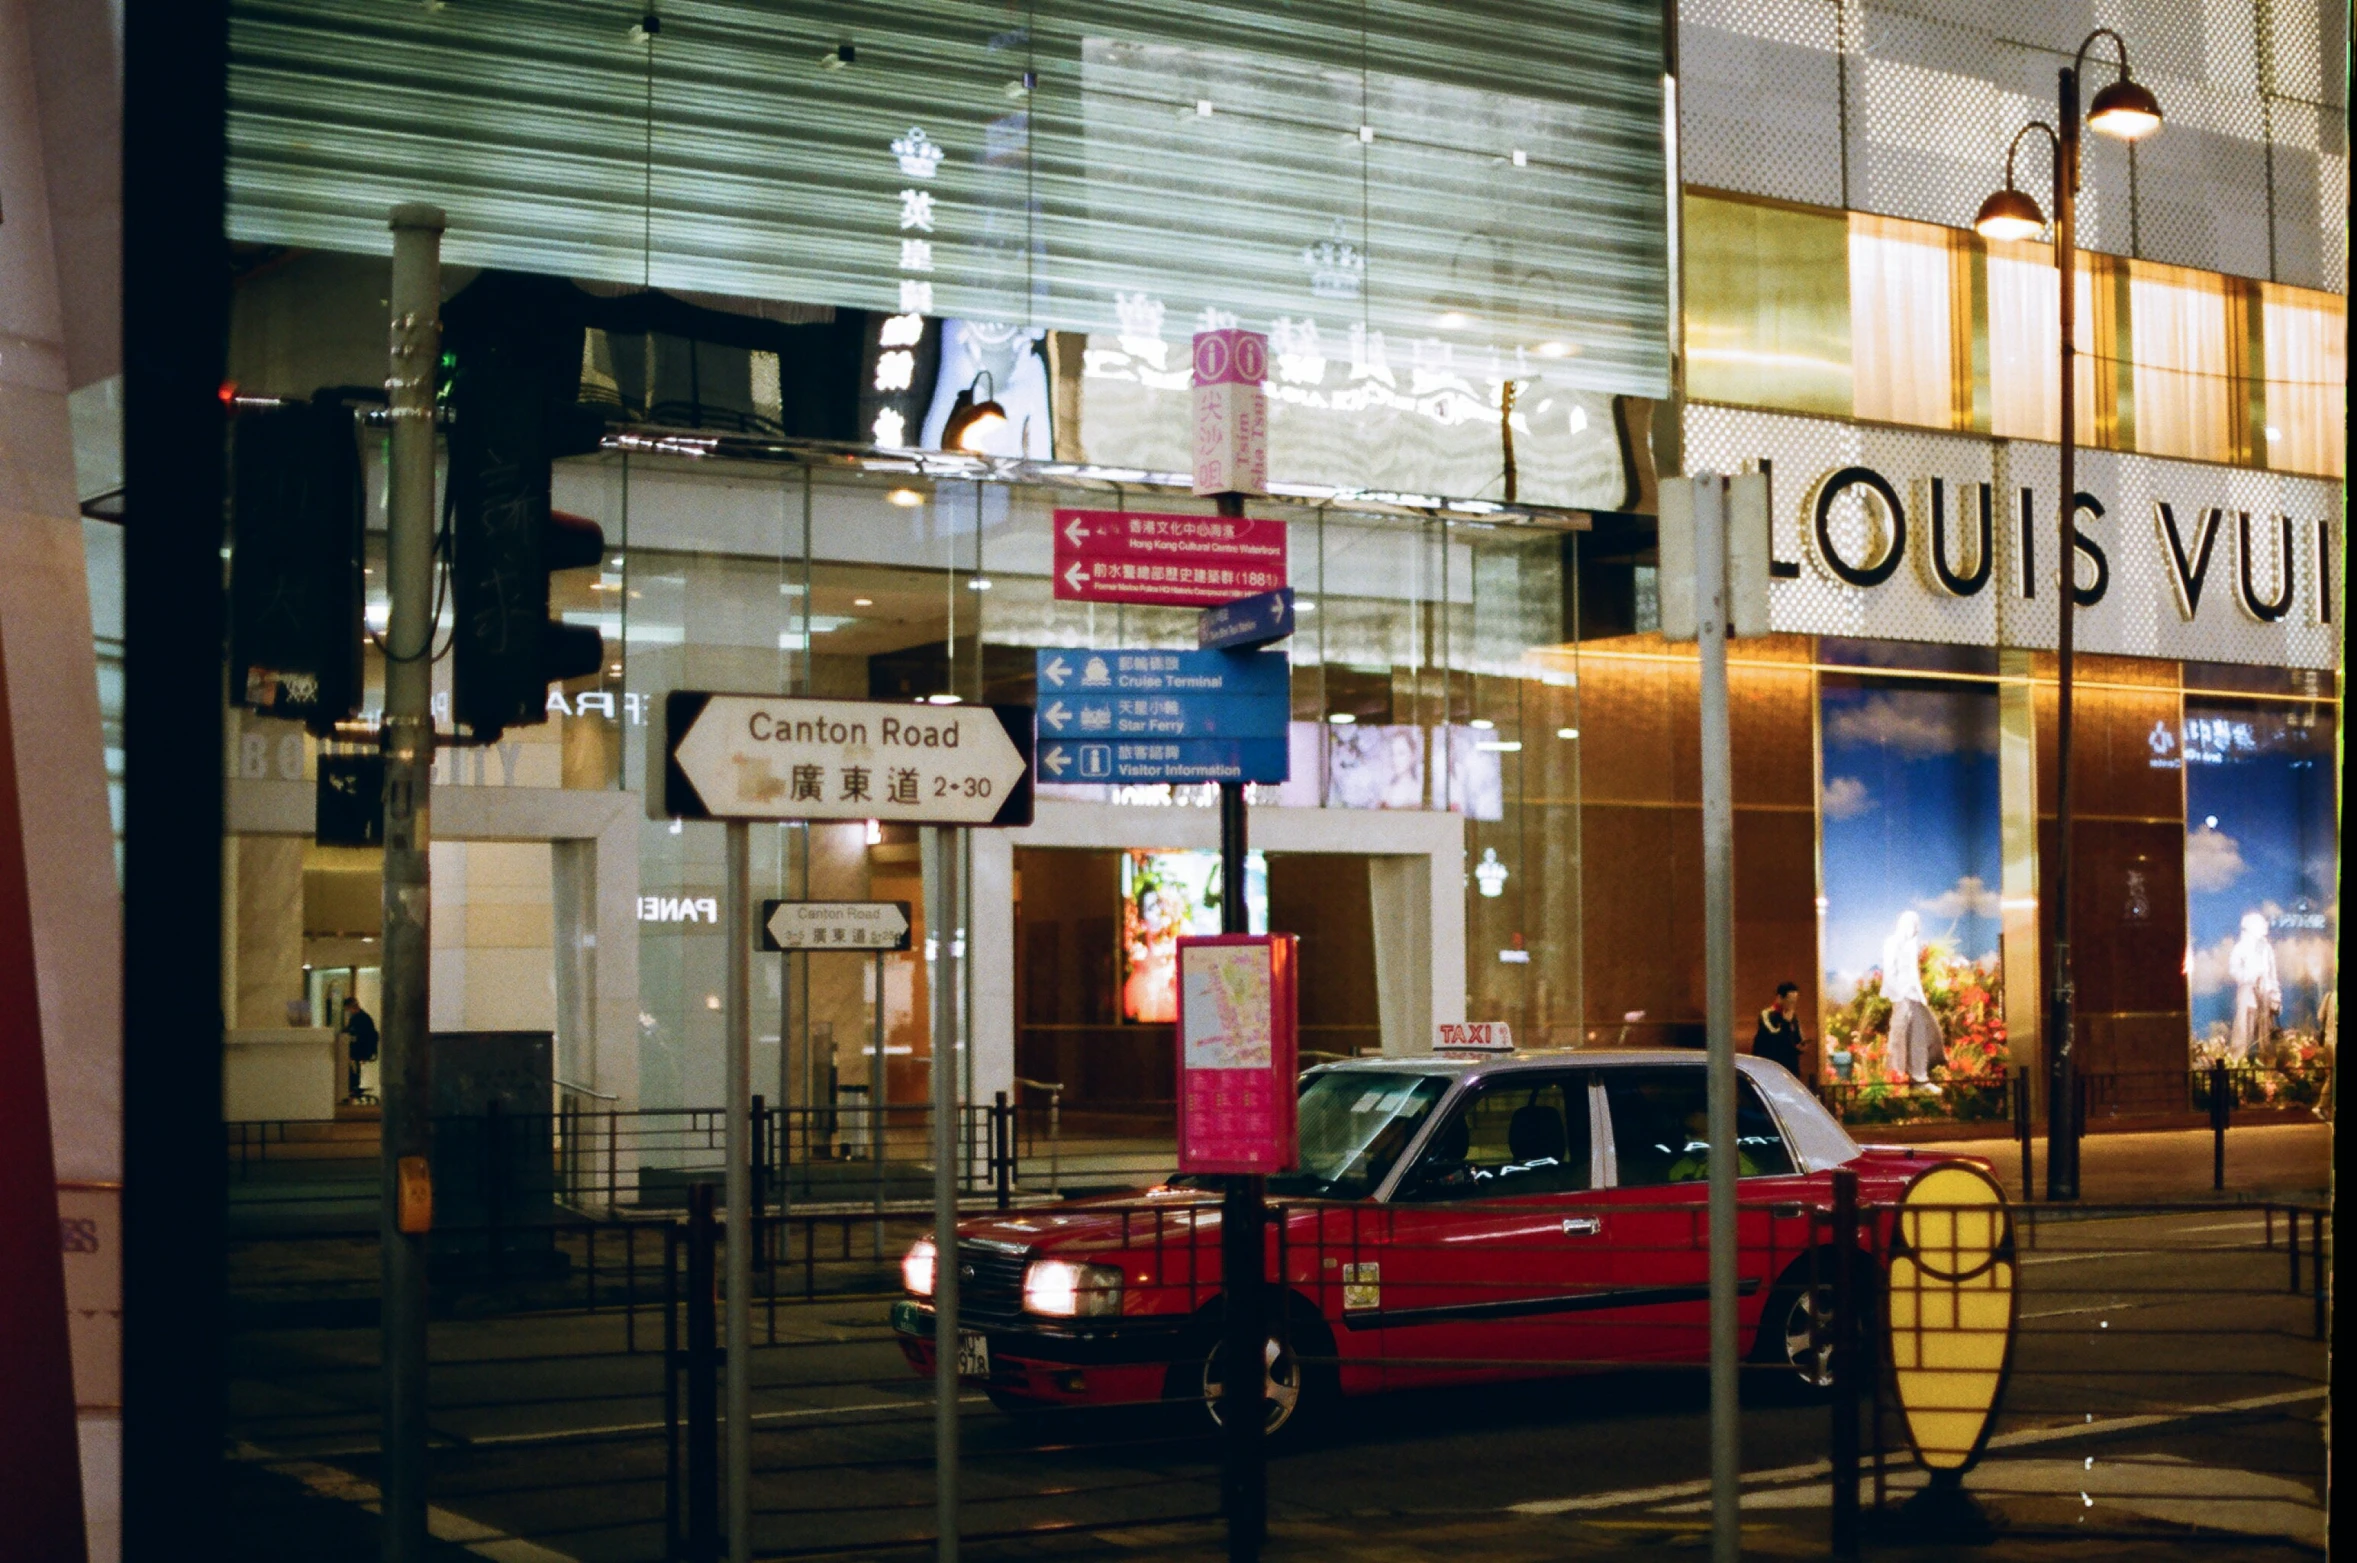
x: 1354, y: 1125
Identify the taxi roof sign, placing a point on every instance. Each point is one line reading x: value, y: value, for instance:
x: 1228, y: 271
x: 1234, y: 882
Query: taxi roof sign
x: 1472, y: 1036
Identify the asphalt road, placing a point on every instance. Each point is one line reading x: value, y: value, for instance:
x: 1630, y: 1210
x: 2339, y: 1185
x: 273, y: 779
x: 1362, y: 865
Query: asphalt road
x: 2164, y: 1376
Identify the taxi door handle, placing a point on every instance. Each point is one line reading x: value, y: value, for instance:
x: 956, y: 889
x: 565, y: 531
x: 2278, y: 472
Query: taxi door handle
x: 1582, y: 1226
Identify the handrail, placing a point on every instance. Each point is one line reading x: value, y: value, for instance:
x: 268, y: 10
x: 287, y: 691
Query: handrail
x: 588, y: 1090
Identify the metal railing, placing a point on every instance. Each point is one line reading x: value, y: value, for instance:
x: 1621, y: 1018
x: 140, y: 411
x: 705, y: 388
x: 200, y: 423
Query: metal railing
x: 2103, y: 1095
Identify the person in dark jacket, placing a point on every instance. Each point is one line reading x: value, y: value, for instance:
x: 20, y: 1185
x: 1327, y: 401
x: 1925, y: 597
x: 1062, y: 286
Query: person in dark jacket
x: 1779, y: 1035
x: 359, y: 1035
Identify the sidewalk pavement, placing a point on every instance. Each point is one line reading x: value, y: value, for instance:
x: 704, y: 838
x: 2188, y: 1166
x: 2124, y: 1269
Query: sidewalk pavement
x: 2275, y: 1161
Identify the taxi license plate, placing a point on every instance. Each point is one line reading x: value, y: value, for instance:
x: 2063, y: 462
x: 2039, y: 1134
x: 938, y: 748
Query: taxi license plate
x: 973, y: 1355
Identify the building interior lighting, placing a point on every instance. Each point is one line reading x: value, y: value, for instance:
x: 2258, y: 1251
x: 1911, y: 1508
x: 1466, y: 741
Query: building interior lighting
x: 1567, y: 732
x: 1554, y: 349
x: 1483, y: 723
x: 863, y: 602
x: 980, y: 583
x: 906, y: 498
x: 1341, y: 719
x: 944, y: 700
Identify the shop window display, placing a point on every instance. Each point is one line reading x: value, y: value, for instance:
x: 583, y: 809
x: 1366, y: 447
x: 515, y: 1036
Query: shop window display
x: 1912, y: 863
x: 2262, y: 894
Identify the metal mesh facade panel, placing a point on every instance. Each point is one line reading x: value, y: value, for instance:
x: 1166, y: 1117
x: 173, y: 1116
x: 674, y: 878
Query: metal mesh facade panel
x: 2140, y: 614
x: 1910, y: 116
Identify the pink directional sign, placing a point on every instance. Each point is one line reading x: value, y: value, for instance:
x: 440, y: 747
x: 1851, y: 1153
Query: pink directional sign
x: 1165, y: 560
x: 1231, y: 412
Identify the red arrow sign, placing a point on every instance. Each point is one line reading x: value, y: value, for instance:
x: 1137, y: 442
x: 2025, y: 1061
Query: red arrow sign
x: 1169, y: 560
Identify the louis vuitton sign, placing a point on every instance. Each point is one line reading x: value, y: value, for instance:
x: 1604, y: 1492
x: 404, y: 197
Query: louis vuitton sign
x: 1891, y: 534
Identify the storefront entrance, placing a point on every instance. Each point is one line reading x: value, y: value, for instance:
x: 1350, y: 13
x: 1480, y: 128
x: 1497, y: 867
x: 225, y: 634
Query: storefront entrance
x: 1094, y: 936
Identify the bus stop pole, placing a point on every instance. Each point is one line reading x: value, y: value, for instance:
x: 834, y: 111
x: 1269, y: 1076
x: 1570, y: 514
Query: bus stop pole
x: 1712, y: 607
x: 737, y: 1145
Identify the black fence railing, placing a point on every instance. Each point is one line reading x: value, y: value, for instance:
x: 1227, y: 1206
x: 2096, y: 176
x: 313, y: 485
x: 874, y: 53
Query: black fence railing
x: 2103, y: 1095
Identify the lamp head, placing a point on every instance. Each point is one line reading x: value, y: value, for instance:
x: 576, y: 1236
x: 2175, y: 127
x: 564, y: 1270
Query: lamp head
x: 970, y: 422
x: 2009, y: 214
x: 2126, y: 110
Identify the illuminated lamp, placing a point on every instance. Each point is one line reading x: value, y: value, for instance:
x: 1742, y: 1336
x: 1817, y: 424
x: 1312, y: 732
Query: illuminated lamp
x: 2126, y: 110
x: 2009, y: 214
x: 971, y: 421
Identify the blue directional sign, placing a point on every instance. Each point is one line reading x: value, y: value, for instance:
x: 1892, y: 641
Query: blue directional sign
x: 1266, y: 674
x: 1164, y: 716
x: 1250, y: 621
x: 1177, y: 760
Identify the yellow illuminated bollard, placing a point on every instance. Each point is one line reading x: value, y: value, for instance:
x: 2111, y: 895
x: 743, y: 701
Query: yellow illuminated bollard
x: 1952, y: 1297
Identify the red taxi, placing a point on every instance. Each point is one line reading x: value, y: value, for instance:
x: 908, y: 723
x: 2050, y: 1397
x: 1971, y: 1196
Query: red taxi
x: 1454, y: 1220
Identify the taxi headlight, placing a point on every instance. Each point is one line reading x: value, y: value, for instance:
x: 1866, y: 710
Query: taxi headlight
x: 1063, y: 1290
x: 916, y: 1268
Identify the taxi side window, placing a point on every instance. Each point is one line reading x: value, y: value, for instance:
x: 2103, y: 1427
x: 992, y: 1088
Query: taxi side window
x: 1661, y: 1128
x: 1516, y: 1136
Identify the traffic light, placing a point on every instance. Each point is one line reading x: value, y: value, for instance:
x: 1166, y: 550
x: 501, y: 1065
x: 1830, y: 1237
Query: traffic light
x: 295, y: 592
x: 513, y: 412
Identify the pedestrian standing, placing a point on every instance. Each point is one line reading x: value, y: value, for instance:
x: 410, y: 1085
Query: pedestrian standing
x: 1779, y: 1037
x: 358, y: 1036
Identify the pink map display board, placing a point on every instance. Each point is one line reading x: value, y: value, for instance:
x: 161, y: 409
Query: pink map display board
x: 1237, y: 1053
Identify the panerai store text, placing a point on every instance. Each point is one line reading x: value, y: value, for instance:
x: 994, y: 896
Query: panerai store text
x: 1890, y: 534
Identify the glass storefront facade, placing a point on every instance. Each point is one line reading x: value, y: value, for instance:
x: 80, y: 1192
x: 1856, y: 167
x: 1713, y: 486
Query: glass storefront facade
x: 773, y: 322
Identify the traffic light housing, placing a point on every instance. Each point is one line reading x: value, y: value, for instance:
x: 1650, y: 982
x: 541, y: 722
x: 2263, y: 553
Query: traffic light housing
x: 514, y: 412
x: 295, y: 590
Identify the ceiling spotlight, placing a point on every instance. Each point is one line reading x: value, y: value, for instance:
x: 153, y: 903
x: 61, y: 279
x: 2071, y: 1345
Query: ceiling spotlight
x: 1554, y: 349
x: 1341, y: 719
x: 906, y: 498
x: 863, y: 602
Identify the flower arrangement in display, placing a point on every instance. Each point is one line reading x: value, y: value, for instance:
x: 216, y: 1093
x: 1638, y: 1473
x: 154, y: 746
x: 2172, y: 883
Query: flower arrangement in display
x: 1967, y: 1000
x: 2292, y: 1068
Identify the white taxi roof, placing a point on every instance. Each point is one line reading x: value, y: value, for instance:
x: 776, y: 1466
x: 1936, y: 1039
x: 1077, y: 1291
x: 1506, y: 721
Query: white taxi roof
x: 1816, y: 1137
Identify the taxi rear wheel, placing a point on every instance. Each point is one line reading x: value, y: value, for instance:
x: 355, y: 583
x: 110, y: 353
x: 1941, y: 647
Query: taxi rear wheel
x: 1796, y: 1327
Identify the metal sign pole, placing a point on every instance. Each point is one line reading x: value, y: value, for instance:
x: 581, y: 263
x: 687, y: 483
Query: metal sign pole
x: 939, y: 864
x: 737, y: 1142
x: 1244, y: 1214
x: 406, y: 1079
x: 1718, y: 922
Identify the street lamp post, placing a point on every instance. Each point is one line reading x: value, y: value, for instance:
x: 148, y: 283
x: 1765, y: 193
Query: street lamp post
x: 2128, y: 111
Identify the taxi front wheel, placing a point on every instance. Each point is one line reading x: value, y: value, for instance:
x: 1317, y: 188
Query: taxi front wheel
x: 1298, y: 1392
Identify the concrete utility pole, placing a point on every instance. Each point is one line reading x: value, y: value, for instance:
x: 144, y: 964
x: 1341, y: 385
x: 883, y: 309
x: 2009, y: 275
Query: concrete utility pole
x: 406, y: 1074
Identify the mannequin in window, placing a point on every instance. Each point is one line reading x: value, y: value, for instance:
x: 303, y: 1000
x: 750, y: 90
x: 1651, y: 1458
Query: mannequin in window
x: 1915, y: 1042
x: 2258, y: 990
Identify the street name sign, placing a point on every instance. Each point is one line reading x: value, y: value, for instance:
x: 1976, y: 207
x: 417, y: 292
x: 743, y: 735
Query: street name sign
x: 1164, y: 716
x: 1247, y: 622
x: 1266, y: 760
x: 1231, y: 407
x: 835, y: 925
x: 772, y: 757
x: 1262, y: 674
x: 1165, y: 560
